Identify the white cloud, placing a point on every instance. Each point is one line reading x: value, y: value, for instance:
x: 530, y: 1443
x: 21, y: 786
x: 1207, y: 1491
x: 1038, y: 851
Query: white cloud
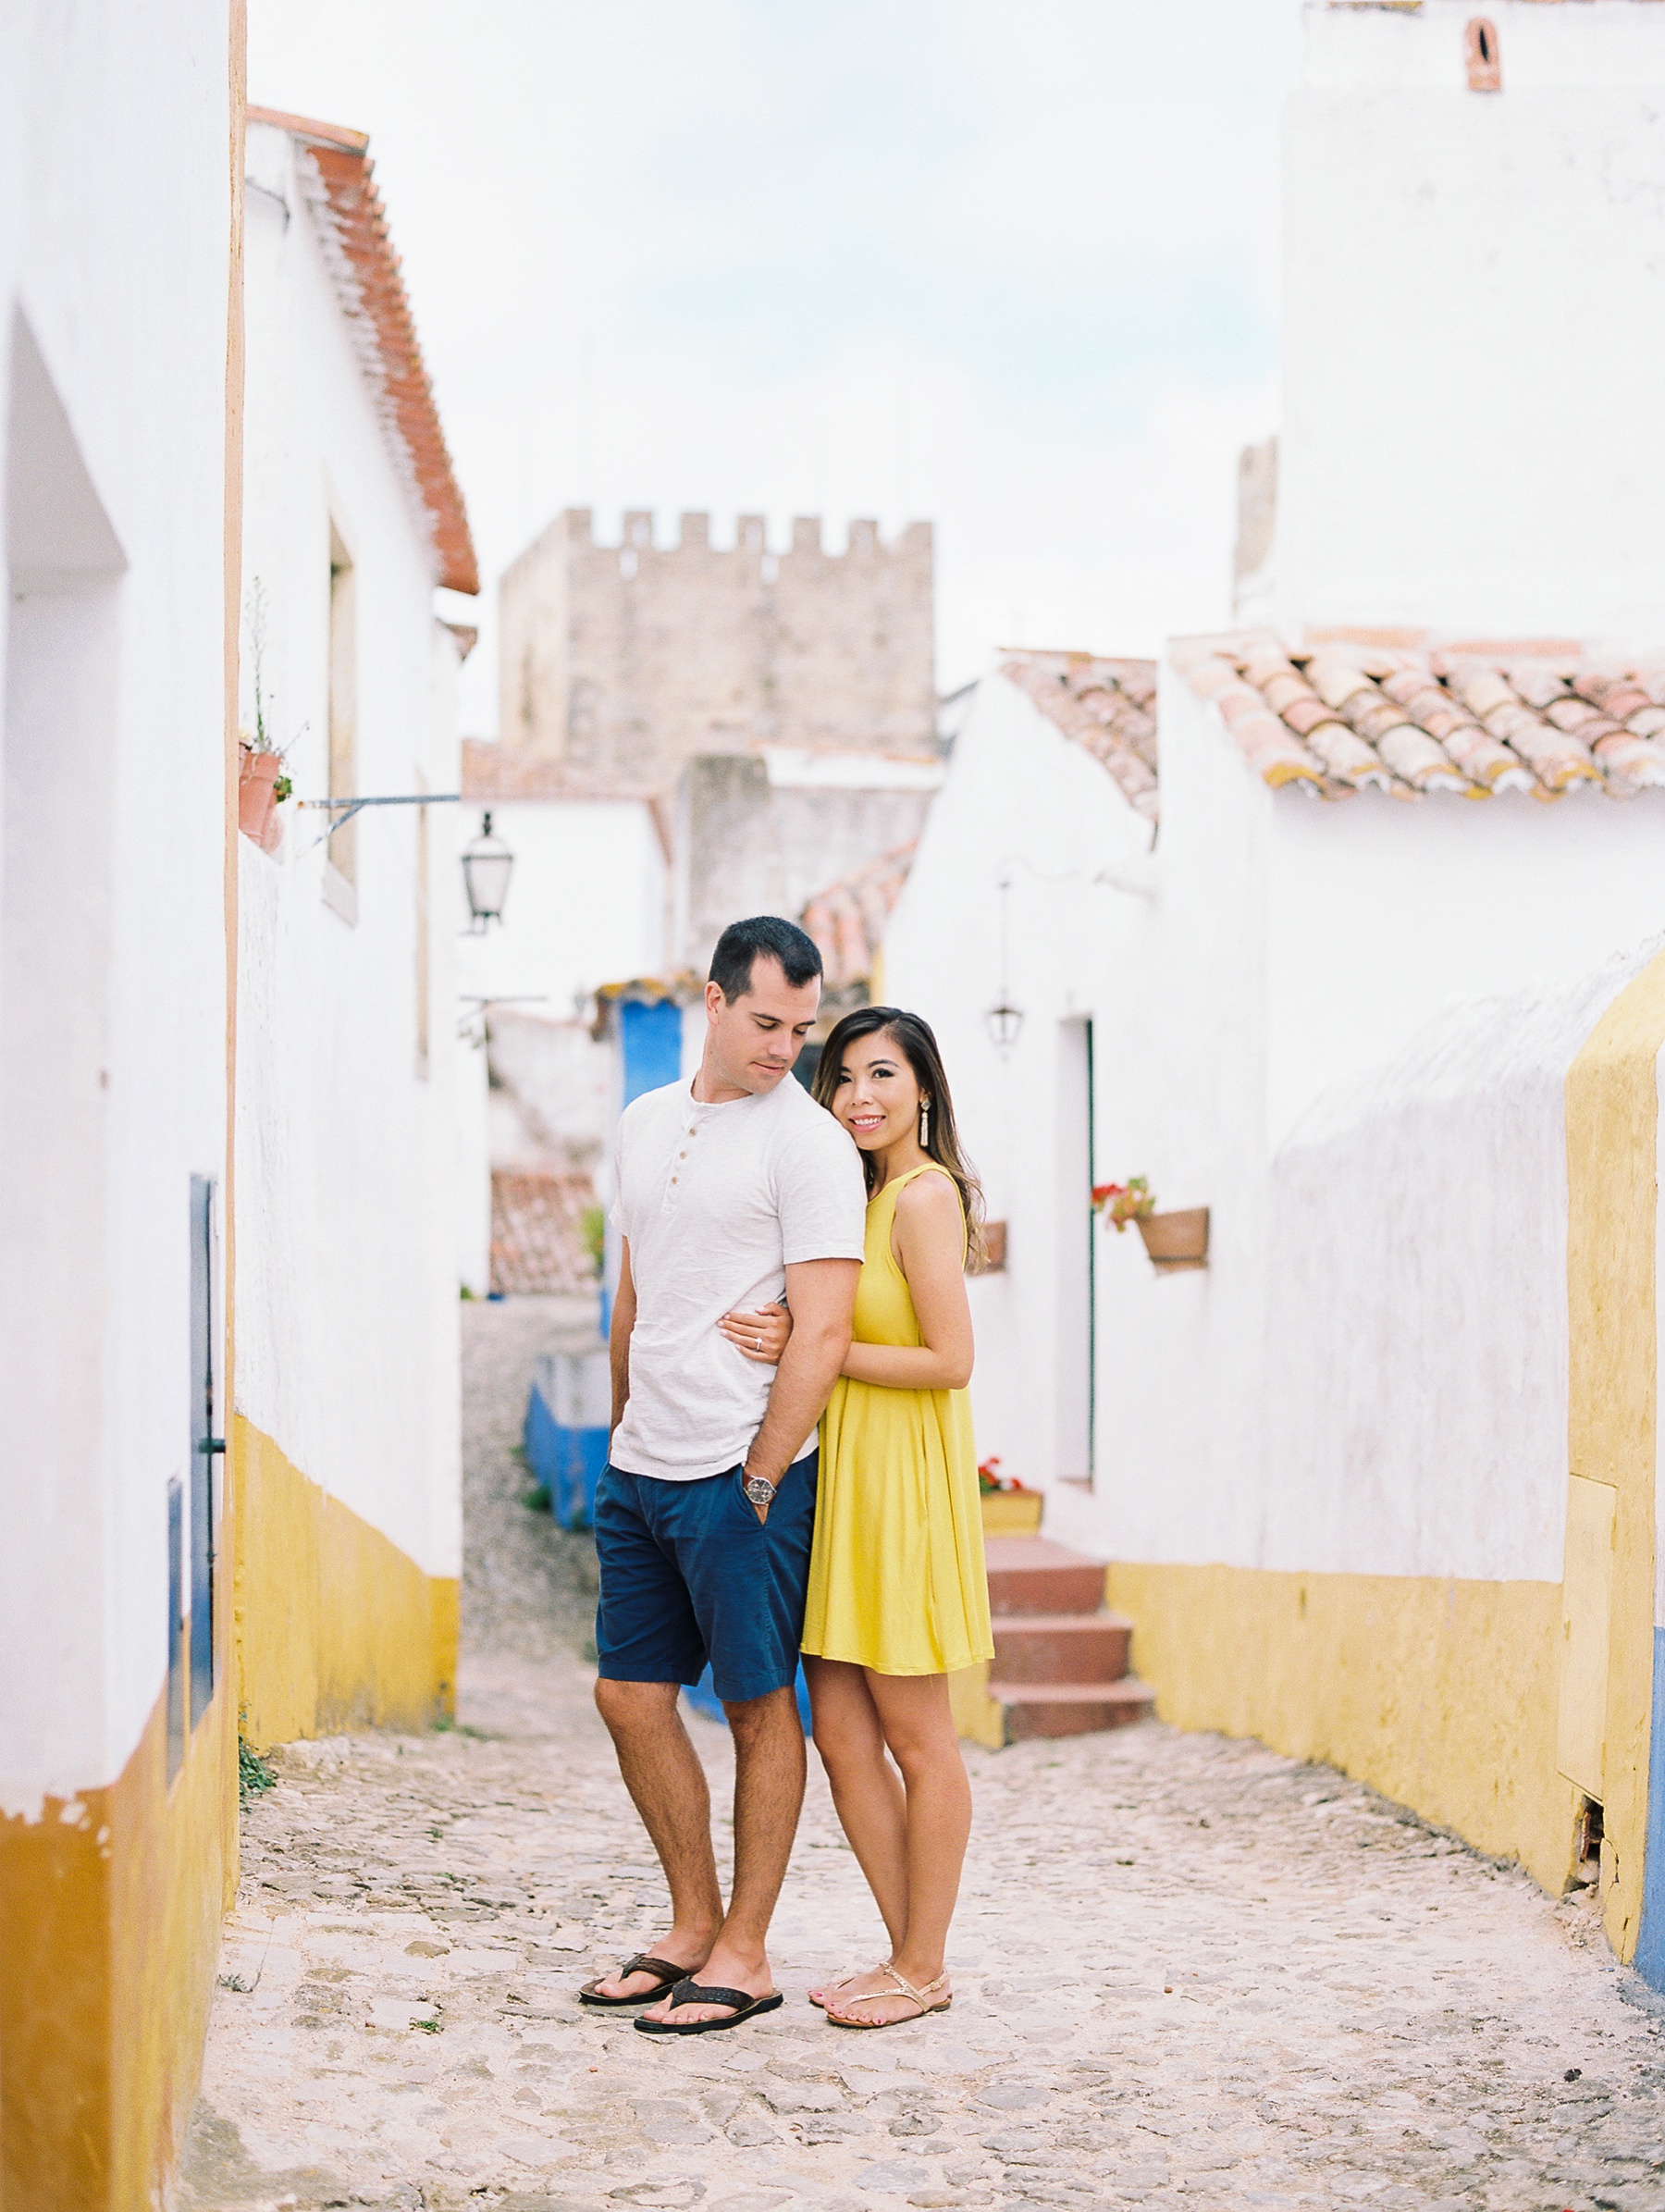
x: 1009, y: 267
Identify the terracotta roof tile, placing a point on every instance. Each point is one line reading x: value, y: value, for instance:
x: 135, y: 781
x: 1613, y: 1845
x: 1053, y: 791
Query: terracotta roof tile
x: 1345, y: 714
x: 1107, y: 706
x: 847, y: 920
x: 538, y: 1244
x: 342, y: 186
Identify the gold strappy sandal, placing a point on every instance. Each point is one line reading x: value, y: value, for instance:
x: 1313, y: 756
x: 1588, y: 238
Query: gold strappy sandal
x: 922, y: 1997
x: 851, y: 1973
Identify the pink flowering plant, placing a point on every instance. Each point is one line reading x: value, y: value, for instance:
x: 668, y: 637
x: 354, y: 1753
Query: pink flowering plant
x: 1122, y: 1203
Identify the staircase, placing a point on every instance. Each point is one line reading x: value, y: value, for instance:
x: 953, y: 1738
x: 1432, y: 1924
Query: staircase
x: 1060, y: 1659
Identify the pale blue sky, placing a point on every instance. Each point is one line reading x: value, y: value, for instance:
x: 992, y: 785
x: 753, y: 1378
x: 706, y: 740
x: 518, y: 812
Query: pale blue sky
x: 1011, y: 266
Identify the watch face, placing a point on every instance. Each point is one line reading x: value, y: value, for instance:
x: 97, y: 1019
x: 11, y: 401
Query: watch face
x: 759, y: 1489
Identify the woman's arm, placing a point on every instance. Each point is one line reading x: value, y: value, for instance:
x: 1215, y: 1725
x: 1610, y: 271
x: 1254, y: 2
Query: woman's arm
x: 618, y: 1344
x: 929, y: 1242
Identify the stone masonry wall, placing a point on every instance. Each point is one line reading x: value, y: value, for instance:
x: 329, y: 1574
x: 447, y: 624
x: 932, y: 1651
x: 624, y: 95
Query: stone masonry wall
x: 632, y: 659
x: 745, y: 845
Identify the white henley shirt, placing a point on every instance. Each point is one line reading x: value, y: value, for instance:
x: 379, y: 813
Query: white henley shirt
x: 717, y: 1201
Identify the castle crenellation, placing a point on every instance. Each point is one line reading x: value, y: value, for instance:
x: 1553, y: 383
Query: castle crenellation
x: 751, y: 535
x: 630, y: 659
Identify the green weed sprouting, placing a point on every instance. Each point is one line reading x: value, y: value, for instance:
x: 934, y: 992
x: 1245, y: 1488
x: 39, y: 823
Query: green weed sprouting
x: 252, y: 1773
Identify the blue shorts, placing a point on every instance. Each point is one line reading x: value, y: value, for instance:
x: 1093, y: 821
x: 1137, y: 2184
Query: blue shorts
x: 690, y: 1574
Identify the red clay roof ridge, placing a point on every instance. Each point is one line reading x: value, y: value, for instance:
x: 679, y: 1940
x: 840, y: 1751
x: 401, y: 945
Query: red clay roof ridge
x: 1345, y: 711
x: 338, y: 180
x: 312, y: 132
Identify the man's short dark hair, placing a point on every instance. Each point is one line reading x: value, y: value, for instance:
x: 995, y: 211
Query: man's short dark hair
x: 770, y: 938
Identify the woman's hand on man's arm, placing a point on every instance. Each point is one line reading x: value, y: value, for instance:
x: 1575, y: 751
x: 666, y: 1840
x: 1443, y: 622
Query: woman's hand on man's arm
x: 822, y: 1294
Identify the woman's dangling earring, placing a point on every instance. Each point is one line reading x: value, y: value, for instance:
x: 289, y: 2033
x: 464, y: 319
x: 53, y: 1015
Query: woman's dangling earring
x: 924, y: 1125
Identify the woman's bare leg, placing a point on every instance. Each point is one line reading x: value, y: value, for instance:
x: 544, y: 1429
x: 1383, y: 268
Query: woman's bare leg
x: 867, y: 1792
x: 916, y: 1722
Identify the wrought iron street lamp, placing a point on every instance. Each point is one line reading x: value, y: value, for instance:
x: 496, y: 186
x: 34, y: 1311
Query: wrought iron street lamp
x: 1003, y: 1022
x: 1003, y: 1018
x: 486, y: 865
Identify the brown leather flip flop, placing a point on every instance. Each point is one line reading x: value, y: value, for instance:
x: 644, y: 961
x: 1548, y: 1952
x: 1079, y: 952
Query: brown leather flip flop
x: 690, y: 1992
x: 643, y: 1963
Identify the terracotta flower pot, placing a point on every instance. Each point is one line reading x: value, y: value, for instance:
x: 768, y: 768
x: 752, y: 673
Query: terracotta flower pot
x: 255, y: 778
x: 1177, y: 1240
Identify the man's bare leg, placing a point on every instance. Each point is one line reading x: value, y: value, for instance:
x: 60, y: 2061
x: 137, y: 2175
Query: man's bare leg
x: 770, y: 1767
x: 667, y: 1785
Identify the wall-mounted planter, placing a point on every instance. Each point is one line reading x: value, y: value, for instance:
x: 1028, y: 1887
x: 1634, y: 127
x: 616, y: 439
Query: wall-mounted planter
x: 993, y: 1251
x: 255, y: 777
x: 1176, y: 1241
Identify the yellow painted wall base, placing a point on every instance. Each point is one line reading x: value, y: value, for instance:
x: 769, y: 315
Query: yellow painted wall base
x: 1440, y: 1694
x: 1012, y: 1513
x: 337, y: 1627
x: 976, y: 1714
x: 1612, y: 1409
x: 110, y: 1910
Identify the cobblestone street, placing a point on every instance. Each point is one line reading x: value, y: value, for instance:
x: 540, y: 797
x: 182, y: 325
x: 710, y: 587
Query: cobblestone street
x: 1184, y: 1969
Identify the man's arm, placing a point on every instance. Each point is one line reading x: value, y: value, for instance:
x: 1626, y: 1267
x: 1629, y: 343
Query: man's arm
x: 822, y: 1294
x: 618, y: 1342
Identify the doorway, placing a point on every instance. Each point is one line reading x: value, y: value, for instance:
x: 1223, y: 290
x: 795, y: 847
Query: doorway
x: 1077, y: 1252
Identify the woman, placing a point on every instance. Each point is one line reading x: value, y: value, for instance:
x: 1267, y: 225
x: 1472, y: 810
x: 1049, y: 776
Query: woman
x: 898, y: 1597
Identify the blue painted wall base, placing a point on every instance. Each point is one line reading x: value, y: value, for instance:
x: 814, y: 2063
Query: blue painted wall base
x: 703, y: 1699
x: 567, y: 1460
x: 1650, y: 1941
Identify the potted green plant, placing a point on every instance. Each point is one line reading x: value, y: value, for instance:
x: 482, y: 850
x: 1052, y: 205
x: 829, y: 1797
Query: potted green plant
x: 1122, y: 1203
x: 261, y: 783
x: 592, y: 1228
x: 1176, y: 1242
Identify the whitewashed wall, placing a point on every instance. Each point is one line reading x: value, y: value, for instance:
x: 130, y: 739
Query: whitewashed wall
x: 1020, y: 801
x: 112, y: 933
x: 1417, y: 1321
x: 1419, y: 978
x: 1460, y: 445
x: 1343, y: 1028
x: 349, y: 1213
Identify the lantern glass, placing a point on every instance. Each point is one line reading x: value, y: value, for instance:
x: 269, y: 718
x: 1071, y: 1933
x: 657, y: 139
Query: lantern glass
x: 487, y: 864
x: 1005, y: 1021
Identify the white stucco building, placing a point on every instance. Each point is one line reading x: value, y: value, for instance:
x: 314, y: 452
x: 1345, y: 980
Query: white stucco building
x: 119, y: 390
x: 1354, y: 963
x: 354, y: 1088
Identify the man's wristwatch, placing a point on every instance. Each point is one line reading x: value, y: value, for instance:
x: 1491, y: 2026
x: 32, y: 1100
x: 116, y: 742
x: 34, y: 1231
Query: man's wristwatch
x: 759, y: 1489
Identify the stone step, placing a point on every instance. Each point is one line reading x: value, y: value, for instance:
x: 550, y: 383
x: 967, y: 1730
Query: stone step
x: 1061, y: 1647
x: 1070, y: 1708
x: 1032, y: 1575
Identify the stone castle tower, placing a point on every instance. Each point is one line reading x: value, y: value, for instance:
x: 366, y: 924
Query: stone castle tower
x: 628, y: 661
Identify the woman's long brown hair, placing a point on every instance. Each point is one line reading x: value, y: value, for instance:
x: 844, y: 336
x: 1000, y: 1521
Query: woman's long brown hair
x: 917, y: 1041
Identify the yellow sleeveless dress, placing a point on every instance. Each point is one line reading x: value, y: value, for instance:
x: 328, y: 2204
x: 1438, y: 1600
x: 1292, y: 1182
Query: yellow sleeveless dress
x: 896, y: 1576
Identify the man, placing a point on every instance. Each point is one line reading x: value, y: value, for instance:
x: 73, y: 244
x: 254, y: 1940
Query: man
x: 730, y: 1192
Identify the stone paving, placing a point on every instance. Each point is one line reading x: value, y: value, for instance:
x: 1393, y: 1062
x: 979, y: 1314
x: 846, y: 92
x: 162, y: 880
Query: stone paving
x: 1185, y: 1969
